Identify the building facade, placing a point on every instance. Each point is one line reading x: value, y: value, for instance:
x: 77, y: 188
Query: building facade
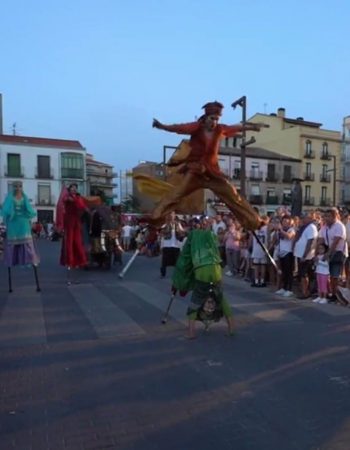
x: 43, y: 166
x: 100, y: 179
x: 317, y: 148
x: 345, y: 160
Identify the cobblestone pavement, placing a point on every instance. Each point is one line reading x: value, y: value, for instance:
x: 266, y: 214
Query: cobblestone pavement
x: 90, y: 366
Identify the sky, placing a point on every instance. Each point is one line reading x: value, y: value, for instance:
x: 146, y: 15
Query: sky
x: 100, y: 71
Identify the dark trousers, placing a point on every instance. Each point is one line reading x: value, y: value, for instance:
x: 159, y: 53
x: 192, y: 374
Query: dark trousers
x: 287, y: 267
x: 169, y: 258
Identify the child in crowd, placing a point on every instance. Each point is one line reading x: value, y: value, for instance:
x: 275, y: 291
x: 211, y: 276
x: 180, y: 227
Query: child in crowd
x: 322, y: 274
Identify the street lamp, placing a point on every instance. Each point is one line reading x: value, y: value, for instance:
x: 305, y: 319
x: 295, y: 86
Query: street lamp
x: 165, y: 148
x: 242, y: 102
x: 334, y: 170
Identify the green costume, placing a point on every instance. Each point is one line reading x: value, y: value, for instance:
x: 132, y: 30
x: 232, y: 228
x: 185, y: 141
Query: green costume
x: 198, y: 270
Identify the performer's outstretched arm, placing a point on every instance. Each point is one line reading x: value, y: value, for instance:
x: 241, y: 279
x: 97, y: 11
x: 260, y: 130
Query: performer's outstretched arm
x: 232, y: 130
x: 182, y: 128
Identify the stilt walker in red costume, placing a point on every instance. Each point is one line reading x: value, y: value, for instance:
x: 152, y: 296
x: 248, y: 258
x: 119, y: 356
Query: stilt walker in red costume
x: 68, y: 220
x: 201, y: 170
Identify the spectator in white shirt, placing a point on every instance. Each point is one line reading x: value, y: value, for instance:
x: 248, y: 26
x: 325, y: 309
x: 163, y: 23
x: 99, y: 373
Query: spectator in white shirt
x: 333, y: 234
x: 304, y: 250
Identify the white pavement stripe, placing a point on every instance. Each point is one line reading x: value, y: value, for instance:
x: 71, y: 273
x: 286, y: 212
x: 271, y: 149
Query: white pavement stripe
x: 158, y: 299
x: 22, y: 321
x: 330, y: 309
x: 107, y: 319
x: 265, y: 311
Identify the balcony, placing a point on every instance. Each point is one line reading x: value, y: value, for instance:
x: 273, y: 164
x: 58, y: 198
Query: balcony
x: 287, y: 178
x: 72, y: 173
x: 309, y: 201
x: 309, y: 176
x: 14, y: 172
x: 272, y: 178
x: 256, y: 199
x: 286, y: 199
x: 256, y: 175
x: 325, y: 201
x: 44, y: 174
x: 325, y: 178
x: 309, y: 154
x: 325, y: 156
x: 45, y: 201
x: 272, y: 199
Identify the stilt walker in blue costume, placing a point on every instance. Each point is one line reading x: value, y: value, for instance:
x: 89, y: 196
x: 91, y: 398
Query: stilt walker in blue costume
x: 19, y: 246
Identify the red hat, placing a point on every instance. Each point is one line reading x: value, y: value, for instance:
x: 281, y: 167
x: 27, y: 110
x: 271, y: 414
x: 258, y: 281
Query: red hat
x: 213, y: 108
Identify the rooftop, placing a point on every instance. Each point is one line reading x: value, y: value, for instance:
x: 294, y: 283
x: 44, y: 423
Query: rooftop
x: 38, y: 141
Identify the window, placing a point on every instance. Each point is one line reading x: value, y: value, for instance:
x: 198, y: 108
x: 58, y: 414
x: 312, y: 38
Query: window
x: 43, y: 170
x: 308, y: 148
x: 14, y: 165
x: 307, y: 192
x: 44, y: 194
x: 308, y: 169
x: 72, y: 165
x: 255, y: 189
x: 324, y: 170
x: 325, y: 149
x: 287, y: 173
x: 323, y: 192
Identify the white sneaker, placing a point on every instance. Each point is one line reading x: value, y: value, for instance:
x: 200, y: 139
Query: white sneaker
x: 280, y: 292
x: 288, y: 294
x: 228, y: 273
x: 316, y: 300
x: 323, y: 301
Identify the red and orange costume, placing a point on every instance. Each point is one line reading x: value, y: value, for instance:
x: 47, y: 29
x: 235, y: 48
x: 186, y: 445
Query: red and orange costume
x: 69, y: 210
x: 201, y: 170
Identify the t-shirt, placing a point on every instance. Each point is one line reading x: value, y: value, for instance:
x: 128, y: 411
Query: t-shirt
x: 337, y: 229
x: 322, y: 265
x: 285, y: 245
x: 310, y: 232
x: 257, y: 251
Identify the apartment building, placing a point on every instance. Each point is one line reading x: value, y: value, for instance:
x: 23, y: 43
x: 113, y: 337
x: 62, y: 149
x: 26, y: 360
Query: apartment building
x: 318, y: 149
x: 100, y: 179
x: 345, y: 162
x: 43, y: 165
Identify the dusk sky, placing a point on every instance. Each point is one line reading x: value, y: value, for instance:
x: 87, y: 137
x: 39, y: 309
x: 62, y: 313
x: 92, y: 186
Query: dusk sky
x: 99, y: 71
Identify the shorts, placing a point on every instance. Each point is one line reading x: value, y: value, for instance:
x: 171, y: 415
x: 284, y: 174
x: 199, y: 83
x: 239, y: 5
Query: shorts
x: 305, y: 268
x: 260, y: 261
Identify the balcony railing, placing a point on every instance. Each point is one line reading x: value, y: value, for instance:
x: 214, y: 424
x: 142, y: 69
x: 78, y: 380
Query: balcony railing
x: 14, y: 172
x: 325, y: 178
x: 286, y: 199
x: 256, y: 199
x: 45, y: 201
x: 256, y: 175
x: 43, y: 174
x: 236, y: 175
x: 309, y: 154
x: 287, y: 178
x: 325, y: 156
x: 325, y: 201
x: 272, y: 199
x: 309, y: 176
x: 72, y: 173
x: 272, y: 177
x: 309, y: 201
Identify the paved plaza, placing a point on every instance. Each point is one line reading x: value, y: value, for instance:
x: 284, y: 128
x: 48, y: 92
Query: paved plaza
x: 90, y: 366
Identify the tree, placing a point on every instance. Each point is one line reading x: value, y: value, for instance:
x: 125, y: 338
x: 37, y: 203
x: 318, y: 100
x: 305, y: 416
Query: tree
x: 131, y: 204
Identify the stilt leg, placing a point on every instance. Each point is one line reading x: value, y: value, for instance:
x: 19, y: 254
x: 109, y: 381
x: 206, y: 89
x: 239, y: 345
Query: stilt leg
x: 69, y: 282
x: 10, y: 279
x: 36, y: 278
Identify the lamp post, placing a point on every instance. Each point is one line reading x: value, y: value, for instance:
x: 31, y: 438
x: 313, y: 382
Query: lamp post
x: 242, y: 102
x: 165, y: 148
x: 334, y: 170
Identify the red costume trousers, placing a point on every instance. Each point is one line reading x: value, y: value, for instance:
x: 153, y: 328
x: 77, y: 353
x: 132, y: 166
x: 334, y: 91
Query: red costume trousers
x: 227, y: 193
